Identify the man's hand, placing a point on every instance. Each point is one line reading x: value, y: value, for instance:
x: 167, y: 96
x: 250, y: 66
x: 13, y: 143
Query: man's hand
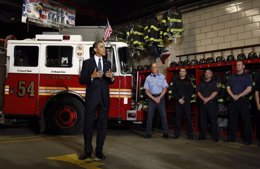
x: 206, y: 100
x: 236, y: 97
x: 157, y: 100
x: 96, y: 74
x: 181, y: 101
x: 109, y: 74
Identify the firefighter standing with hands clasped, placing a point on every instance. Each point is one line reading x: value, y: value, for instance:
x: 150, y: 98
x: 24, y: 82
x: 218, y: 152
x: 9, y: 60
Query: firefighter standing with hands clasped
x: 155, y: 88
x: 238, y: 87
x: 257, y: 99
x: 182, y: 90
x: 207, y: 92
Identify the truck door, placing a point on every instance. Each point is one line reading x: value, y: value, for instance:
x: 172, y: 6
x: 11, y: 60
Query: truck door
x: 21, y: 88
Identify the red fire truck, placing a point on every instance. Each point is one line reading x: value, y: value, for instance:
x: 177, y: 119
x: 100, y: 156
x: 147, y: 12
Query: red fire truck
x: 42, y: 82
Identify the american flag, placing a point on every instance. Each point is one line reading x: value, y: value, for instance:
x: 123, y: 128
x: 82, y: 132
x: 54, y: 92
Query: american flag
x: 108, y: 31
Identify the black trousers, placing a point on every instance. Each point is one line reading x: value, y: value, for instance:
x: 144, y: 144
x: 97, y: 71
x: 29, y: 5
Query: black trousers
x: 150, y: 114
x: 240, y: 107
x: 210, y: 111
x: 91, y: 112
x: 257, y: 125
x: 179, y: 111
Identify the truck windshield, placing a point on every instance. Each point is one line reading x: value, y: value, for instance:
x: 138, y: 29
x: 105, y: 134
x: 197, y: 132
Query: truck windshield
x: 126, y: 62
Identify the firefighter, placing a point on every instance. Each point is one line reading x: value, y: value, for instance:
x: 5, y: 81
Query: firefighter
x: 182, y: 90
x: 207, y: 92
x: 155, y: 88
x: 97, y: 100
x: 257, y: 99
x: 238, y: 87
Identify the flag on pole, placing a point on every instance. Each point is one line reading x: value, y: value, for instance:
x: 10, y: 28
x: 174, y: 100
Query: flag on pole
x: 108, y: 31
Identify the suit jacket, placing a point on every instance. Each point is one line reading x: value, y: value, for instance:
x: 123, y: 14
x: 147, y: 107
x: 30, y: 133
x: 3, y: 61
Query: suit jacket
x: 97, y: 89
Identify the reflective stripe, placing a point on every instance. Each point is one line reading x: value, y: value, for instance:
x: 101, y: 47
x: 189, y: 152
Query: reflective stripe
x: 114, y: 93
x: 155, y: 28
x: 7, y: 89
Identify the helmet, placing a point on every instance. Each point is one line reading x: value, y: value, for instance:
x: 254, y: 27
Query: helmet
x: 241, y: 56
x: 252, y: 55
x: 202, y: 61
x: 140, y: 68
x: 173, y: 64
x: 230, y: 58
x: 138, y: 54
x: 146, y: 67
x: 210, y: 60
x: 186, y: 62
x: 194, y: 62
x: 181, y: 63
x: 220, y: 59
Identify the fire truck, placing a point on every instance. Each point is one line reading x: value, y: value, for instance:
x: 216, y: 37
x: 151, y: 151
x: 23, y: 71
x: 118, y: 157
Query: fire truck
x: 42, y: 82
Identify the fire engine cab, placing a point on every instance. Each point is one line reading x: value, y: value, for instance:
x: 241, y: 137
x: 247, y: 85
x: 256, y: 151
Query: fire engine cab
x: 42, y: 82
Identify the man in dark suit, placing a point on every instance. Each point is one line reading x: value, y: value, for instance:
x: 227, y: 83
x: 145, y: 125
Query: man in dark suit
x: 96, y: 74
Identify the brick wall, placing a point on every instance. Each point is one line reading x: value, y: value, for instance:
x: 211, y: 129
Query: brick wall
x: 231, y: 24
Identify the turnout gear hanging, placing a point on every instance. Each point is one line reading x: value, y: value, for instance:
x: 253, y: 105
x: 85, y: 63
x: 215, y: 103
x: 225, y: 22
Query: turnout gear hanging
x: 153, y: 38
x: 172, y: 24
x: 137, y: 36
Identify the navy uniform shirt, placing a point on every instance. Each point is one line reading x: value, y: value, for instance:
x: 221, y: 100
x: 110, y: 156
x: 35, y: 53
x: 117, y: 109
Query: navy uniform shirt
x: 155, y: 83
x: 239, y: 82
x: 207, y: 88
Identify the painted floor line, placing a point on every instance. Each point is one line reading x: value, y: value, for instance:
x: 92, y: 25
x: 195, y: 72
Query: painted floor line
x: 73, y: 159
x: 27, y: 139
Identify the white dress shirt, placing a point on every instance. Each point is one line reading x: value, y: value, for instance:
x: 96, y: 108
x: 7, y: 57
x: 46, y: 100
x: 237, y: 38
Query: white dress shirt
x: 97, y: 59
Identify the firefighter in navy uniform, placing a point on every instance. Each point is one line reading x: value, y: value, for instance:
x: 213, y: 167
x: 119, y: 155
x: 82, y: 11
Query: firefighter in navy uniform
x: 207, y: 92
x: 257, y: 99
x: 155, y: 88
x: 238, y: 87
x: 182, y: 91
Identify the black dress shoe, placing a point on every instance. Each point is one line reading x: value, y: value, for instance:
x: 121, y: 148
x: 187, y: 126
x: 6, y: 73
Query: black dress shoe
x: 215, y: 139
x: 148, y: 136
x: 201, y: 138
x: 190, y: 137
x: 176, y: 137
x: 230, y: 140
x: 167, y: 136
x: 85, y: 156
x: 247, y: 142
x: 100, y: 156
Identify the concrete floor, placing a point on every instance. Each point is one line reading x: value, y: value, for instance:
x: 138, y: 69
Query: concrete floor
x: 124, y: 149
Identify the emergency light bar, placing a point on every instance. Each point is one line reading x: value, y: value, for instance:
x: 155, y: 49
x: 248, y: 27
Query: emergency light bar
x: 75, y: 38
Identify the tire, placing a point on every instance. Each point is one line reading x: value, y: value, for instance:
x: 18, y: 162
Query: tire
x: 65, y: 116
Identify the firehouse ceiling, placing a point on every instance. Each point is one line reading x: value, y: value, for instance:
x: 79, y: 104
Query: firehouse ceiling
x: 95, y: 12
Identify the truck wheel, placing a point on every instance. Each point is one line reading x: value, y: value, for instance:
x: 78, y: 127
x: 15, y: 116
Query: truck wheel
x: 65, y: 116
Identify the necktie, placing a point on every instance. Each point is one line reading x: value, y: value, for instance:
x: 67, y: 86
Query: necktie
x: 99, y: 65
